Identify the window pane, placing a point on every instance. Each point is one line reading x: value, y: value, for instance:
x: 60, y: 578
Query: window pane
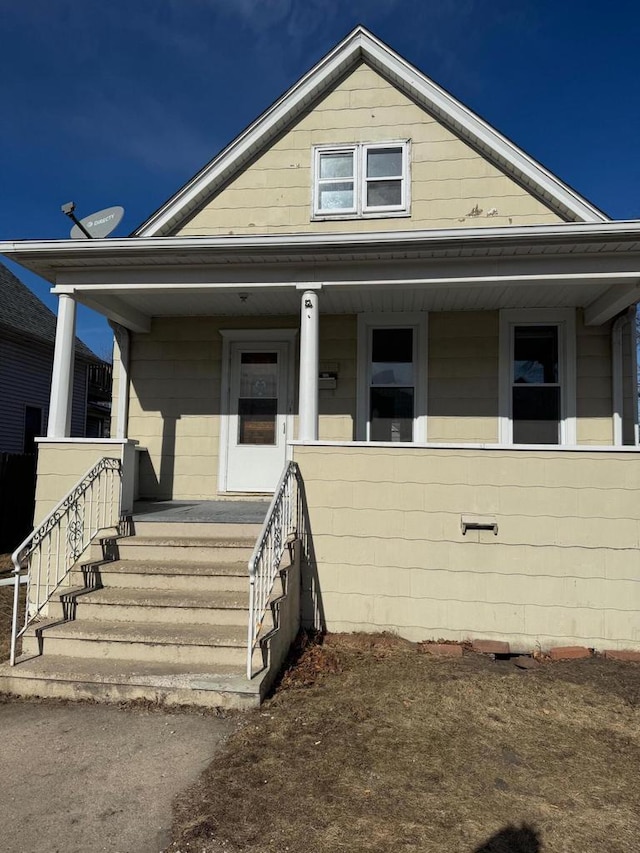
x: 384, y: 163
x: 536, y: 415
x: 257, y: 421
x: 391, y: 414
x: 392, y: 345
x: 535, y: 354
x: 336, y: 165
x: 392, y: 357
x: 384, y: 193
x: 259, y: 374
x: 336, y: 196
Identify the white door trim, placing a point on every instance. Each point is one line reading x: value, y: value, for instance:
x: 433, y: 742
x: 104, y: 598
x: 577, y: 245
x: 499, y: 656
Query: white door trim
x: 418, y: 321
x: 229, y: 337
x: 565, y: 320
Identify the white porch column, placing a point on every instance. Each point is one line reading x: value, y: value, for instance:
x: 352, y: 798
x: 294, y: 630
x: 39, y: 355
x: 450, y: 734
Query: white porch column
x: 309, y: 367
x: 62, y: 376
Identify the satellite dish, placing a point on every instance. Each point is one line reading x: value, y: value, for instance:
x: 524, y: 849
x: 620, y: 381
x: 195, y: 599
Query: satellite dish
x: 99, y: 224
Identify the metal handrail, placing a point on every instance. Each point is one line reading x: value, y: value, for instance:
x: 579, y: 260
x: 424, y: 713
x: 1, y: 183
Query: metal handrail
x: 283, y: 522
x: 53, y: 547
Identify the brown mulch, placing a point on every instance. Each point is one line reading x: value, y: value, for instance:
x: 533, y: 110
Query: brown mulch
x: 368, y: 745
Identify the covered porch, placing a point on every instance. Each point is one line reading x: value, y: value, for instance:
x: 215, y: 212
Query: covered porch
x: 230, y: 349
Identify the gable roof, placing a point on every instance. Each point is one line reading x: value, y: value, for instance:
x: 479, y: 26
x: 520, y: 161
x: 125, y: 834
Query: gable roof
x: 22, y: 312
x: 362, y: 46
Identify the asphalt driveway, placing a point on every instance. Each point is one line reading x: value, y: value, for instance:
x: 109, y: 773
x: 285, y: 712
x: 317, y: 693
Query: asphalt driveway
x: 92, y: 778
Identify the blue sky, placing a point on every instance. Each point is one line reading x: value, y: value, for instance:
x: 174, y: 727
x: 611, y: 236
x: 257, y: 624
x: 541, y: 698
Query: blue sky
x: 121, y: 101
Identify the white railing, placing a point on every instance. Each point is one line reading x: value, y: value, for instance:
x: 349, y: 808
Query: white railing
x: 51, y: 550
x: 284, y: 522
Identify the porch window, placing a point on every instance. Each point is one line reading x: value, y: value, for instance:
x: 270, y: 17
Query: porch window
x: 538, y: 365
x: 391, y: 385
x: 535, y: 404
x: 361, y: 180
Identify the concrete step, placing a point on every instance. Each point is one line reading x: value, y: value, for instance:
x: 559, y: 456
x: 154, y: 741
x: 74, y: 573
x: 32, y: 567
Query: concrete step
x: 143, y: 642
x: 117, y: 680
x: 186, y: 549
x: 127, y: 604
x: 207, y: 530
x: 155, y: 574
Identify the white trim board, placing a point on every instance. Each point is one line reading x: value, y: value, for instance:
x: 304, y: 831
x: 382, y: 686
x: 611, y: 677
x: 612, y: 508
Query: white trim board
x: 361, y: 45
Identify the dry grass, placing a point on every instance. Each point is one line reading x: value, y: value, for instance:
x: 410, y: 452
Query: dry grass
x: 369, y: 745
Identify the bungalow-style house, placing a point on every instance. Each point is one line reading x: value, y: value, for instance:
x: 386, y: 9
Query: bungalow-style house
x: 380, y: 314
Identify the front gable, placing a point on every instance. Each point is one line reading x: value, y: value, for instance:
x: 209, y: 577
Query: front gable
x: 363, y: 92
x: 451, y: 184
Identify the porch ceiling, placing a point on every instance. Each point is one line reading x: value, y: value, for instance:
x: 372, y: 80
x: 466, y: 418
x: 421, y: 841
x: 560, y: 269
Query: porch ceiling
x: 285, y: 300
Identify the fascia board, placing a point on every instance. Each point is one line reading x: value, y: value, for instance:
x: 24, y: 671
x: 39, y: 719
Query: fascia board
x: 362, y: 44
x: 80, y: 250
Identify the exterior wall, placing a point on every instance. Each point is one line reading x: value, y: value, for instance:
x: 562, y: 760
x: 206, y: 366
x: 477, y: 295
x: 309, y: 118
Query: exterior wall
x: 390, y: 554
x: 462, y: 399
x: 449, y: 179
x: 176, y: 373
x: 630, y: 382
x: 25, y: 380
x: 594, y: 402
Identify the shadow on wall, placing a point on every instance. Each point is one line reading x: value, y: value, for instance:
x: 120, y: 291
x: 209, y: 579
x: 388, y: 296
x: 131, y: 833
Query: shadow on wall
x: 512, y: 839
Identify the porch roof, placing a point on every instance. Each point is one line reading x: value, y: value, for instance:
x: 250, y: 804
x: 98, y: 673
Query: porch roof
x: 591, y: 265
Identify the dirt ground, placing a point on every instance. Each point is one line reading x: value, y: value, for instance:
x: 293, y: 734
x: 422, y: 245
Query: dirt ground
x: 88, y: 778
x: 372, y: 745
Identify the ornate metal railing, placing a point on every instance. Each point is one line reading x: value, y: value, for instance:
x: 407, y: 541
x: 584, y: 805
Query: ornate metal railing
x: 284, y: 523
x: 51, y: 550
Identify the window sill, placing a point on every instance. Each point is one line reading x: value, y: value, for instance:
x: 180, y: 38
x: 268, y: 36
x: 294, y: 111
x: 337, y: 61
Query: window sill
x: 344, y: 217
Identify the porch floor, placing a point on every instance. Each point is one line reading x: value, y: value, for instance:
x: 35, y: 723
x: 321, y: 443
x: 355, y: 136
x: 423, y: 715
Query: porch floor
x: 227, y: 512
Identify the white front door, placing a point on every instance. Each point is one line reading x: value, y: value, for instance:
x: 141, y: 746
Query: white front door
x: 258, y: 409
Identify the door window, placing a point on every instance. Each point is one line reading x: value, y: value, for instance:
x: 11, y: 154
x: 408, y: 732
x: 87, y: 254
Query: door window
x: 258, y: 398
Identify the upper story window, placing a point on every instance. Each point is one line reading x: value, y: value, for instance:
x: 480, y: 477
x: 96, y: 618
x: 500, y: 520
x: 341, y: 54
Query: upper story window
x: 361, y: 180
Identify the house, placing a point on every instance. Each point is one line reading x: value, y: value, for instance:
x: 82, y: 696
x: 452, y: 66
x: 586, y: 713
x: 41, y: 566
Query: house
x: 27, y: 338
x: 373, y: 284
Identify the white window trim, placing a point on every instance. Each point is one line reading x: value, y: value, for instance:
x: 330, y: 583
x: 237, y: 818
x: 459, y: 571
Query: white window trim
x: 360, y: 210
x: 565, y: 320
x: 250, y: 336
x: 419, y: 323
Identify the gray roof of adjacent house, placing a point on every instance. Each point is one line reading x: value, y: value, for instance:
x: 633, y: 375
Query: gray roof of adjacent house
x: 23, y: 313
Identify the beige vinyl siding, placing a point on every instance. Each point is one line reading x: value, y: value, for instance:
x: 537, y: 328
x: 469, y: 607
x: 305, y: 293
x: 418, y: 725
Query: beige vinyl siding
x: 593, y: 383
x: 391, y: 555
x: 463, y: 377
x: 449, y: 179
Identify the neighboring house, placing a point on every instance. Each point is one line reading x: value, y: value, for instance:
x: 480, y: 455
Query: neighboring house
x: 372, y: 281
x: 27, y: 338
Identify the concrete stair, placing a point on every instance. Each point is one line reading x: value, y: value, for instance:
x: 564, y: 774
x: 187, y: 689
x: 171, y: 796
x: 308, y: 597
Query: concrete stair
x: 164, y: 618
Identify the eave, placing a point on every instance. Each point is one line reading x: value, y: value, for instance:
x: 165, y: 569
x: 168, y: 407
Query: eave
x: 595, y: 266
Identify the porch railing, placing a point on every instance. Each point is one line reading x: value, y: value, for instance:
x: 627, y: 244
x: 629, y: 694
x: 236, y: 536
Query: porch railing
x: 50, y: 551
x: 284, y: 522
